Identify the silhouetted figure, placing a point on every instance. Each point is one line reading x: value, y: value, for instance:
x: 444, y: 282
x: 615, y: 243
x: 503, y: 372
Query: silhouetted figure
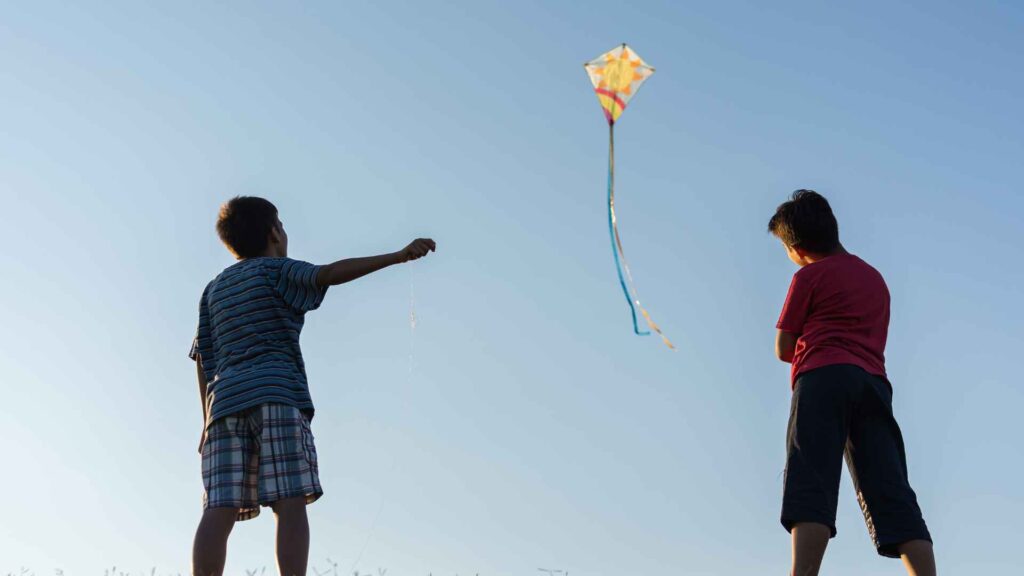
x: 257, y: 447
x: 833, y: 329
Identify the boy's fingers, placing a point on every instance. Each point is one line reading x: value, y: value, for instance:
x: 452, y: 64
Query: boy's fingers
x: 420, y: 247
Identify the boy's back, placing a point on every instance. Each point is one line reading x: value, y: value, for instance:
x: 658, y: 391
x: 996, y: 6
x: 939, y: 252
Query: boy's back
x: 250, y: 318
x: 840, y: 308
x: 257, y: 445
x: 833, y: 330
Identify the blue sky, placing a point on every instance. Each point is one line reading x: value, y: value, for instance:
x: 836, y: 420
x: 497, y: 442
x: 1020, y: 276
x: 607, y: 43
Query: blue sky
x: 533, y: 428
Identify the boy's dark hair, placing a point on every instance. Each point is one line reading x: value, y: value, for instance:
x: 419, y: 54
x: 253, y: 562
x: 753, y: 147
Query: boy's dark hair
x: 245, y: 223
x: 806, y: 221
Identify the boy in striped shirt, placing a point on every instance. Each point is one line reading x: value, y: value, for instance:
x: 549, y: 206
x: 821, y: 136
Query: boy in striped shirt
x: 257, y: 448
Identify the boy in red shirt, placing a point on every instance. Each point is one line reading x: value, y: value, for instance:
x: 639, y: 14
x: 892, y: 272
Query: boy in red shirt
x: 833, y: 329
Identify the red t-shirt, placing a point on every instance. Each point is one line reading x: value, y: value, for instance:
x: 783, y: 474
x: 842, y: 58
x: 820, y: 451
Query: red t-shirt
x: 839, y: 307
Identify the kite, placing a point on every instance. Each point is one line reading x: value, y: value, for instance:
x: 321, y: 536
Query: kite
x: 617, y: 75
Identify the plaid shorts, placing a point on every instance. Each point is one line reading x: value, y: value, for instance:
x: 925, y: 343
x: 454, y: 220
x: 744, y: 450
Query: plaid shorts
x: 259, y: 456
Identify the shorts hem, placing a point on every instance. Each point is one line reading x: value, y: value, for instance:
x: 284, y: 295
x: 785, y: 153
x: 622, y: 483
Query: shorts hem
x: 245, y: 511
x: 789, y: 521
x: 890, y: 547
x: 311, y: 496
x: 250, y: 511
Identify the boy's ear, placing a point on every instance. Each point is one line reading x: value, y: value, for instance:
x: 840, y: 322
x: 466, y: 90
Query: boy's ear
x: 275, y: 235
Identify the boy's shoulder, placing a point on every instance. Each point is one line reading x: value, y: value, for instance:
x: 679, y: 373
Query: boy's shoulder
x: 841, y: 272
x: 838, y: 264
x: 234, y: 273
x: 248, y: 267
x: 277, y: 273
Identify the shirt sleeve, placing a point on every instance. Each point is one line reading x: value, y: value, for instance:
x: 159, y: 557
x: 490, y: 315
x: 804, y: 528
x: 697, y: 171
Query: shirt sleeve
x: 797, y: 306
x: 295, y: 283
x: 202, y: 344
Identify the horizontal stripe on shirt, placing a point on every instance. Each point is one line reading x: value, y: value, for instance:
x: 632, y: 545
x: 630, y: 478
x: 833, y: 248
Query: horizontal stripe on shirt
x: 250, y: 319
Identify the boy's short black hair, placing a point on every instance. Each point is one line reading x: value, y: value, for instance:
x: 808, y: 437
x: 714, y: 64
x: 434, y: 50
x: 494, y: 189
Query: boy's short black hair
x: 806, y: 221
x: 245, y: 223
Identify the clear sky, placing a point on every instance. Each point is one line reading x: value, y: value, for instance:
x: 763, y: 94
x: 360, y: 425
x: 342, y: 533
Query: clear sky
x: 531, y: 428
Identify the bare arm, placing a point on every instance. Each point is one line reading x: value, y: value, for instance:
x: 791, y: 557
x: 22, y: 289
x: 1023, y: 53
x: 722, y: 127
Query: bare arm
x: 785, y: 345
x: 351, y: 268
x: 201, y: 375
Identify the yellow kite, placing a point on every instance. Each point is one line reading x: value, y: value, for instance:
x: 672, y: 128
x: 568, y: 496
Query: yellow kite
x: 616, y: 76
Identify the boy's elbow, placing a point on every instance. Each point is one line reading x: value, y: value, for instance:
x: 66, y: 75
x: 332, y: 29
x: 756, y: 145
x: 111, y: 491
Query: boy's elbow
x: 785, y: 346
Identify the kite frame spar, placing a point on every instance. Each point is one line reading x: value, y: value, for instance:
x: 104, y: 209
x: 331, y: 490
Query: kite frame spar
x: 621, y: 264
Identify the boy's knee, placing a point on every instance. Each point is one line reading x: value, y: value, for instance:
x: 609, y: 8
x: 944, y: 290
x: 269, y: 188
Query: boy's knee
x: 220, y: 516
x: 915, y: 547
x: 216, y: 523
x: 290, y: 506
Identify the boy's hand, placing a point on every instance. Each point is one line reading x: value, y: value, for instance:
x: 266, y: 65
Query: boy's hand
x: 417, y: 249
x: 351, y: 268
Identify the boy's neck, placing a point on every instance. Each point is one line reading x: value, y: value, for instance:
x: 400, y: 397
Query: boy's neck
x: 270, y: 252
x: 812, y: 258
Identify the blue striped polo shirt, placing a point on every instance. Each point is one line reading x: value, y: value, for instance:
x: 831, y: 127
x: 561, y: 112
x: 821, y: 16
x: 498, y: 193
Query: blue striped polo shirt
x: 250, y: 317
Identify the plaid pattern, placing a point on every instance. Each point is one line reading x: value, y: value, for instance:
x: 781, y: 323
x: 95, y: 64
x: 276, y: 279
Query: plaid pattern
x: 258, y: 456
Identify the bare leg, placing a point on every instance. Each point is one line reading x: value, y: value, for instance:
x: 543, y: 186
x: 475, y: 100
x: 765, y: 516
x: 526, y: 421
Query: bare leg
x: 809, y: 542
x: 210, y: 547
x: 918, y: 557
x: 292, y: 536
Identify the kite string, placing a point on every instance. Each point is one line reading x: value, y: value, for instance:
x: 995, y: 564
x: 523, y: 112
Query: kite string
x: 369, y: 535
x: 412, y: 362
x: 412, y: 322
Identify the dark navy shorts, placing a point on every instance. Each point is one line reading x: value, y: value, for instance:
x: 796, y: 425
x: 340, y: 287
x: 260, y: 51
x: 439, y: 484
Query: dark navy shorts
x: 842, y: 409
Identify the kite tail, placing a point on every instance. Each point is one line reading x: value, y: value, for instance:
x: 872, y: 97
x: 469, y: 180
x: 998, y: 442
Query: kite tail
x: 628, y: 289
x: 613, y: 229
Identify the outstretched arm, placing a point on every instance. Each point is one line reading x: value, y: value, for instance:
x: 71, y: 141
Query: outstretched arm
x: 785, y: 345
x: 351, y: 268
